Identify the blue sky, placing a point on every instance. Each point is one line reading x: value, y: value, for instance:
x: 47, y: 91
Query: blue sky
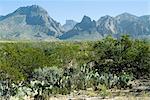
x: 60, y: 10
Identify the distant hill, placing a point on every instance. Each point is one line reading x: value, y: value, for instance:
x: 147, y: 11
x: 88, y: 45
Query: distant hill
x: 34, y: 23
x: 69, y: 25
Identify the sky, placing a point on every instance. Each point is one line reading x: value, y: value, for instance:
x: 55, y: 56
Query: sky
x: 61, y: 10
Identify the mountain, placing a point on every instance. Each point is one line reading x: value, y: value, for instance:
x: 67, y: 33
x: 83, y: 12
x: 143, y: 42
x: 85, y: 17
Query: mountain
x: 1, y: 17
x: 86, y: 29
x: 130, y: 24
x: 69, y: 25
x: 146, y: 22
x: 31, y: 22
x: 106, y: 25
x: 124, y: 23
x: 34, y: 23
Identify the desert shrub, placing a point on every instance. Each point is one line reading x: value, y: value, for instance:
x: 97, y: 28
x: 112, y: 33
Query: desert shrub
x: 24, y: 67
x: 122, y: 55
x: 20, y: 59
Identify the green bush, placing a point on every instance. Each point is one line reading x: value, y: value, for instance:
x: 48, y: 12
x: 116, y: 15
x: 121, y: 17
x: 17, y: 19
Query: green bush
x: 122, y: 55
x: 25, y: 67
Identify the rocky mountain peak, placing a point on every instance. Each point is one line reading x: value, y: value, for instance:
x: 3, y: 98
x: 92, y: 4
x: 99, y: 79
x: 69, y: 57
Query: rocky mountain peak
x: 126, y: 16
x: 34, y: 22
x: 33, y: 17
x: 105, y: 18
x: 86, y: 19
x: 106, y: 25
x: 86, y: 23
x: 31, y: 10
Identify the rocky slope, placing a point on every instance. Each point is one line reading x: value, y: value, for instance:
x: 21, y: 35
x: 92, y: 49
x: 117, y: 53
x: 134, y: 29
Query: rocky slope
x: 31, y: 22
x: 86, y: 29
x: 34, y: 23
x: 122, y: 24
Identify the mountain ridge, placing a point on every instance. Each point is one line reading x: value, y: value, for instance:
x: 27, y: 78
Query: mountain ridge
x: 124, y: 23
x: 34, y: 23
